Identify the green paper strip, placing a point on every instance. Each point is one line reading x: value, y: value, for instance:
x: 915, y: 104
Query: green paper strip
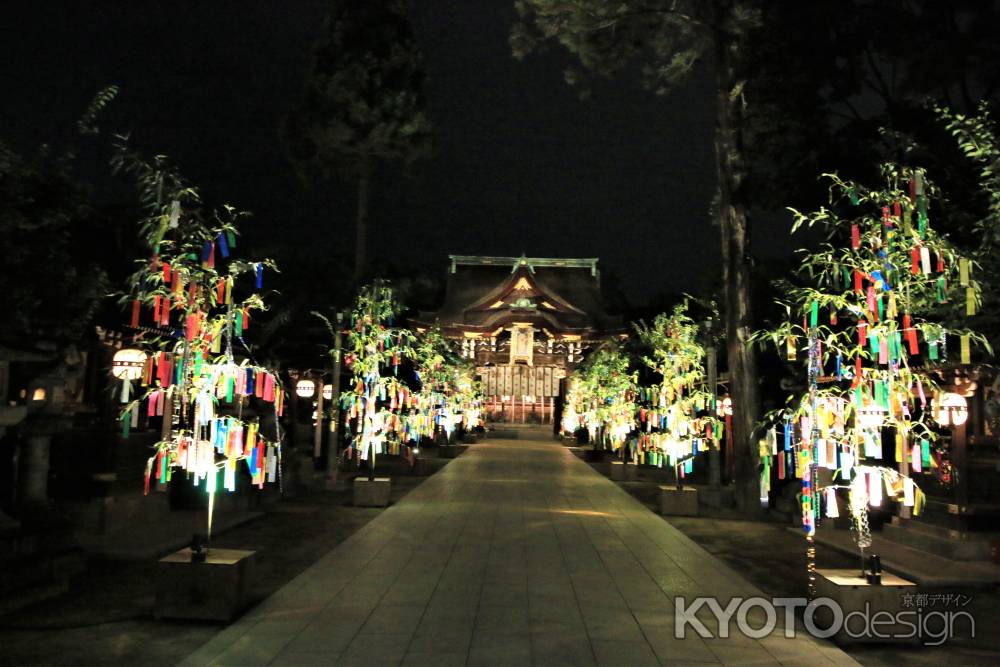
x: 925, y: 453
x: 814, y: 315
x: 933, y: 351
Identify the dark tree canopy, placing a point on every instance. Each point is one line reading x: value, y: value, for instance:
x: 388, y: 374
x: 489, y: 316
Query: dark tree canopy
x: 663, y: 38
x: 50, y: 287
x: 364, y: 97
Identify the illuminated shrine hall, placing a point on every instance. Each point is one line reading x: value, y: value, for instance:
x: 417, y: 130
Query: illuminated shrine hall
x: 527, y: 322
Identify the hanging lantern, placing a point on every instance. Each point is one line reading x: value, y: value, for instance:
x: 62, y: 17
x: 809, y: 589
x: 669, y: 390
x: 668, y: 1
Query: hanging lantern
x: 725, y: 407
x: 127, y: 364
x: 871, y: 416
x: 327, y: 392
x: 951, y: 409
x: 305, y: 389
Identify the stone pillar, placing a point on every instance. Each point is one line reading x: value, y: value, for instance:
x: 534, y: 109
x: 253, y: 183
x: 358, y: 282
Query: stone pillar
x: 33, y: 476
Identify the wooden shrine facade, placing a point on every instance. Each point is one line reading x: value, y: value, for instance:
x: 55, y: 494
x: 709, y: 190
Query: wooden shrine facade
x: 527, y: 322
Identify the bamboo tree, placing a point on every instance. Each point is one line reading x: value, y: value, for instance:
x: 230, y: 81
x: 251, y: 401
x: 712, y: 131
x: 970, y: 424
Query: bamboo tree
x: 603, y: 398
x: 679, y: 420
x: 374, y: 346
x: 191, y: 301
x: 872, y: 315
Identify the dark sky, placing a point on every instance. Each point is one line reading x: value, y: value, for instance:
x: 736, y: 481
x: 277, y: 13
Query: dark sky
x: 521, y: 164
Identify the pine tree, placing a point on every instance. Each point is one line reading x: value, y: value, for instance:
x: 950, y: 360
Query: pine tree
x: 363, y: 104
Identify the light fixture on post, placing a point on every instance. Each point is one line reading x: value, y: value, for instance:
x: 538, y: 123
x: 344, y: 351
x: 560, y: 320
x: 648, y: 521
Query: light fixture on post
x: 127, y: 364
x: 725, y: 407
x: 327, y: 392
x: 951, y: 410
x: 305, y: 388
x: 871, y: 416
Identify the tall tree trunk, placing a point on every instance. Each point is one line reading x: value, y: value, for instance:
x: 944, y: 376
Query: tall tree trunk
x: 736, y: 263
x: 361, y: 220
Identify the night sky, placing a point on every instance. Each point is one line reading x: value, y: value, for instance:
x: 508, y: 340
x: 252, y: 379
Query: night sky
x: 521, y: 164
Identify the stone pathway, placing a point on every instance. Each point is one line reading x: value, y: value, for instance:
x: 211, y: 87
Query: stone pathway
x: 515, y: 553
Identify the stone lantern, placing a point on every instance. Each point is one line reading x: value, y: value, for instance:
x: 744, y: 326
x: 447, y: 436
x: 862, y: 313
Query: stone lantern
x: 45, y: 402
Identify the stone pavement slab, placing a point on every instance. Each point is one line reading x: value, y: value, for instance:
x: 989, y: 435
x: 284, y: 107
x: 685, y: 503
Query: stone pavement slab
x: 515, y: 553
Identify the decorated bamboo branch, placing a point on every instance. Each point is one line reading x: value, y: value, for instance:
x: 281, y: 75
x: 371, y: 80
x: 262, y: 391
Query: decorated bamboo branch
x: 602, y: 398
x: 678, y: 416
x: 449, y: 394
x: 191, y: 301
x: 870, y: 319
x: 375, y: 350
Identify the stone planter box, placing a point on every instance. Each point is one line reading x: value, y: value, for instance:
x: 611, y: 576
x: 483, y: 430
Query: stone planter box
x: 678, y: 502
x: 213, y: 590
x: 372, y: 492
x: 623, y: 472
x: 447, y: 451
x: 854, y: 594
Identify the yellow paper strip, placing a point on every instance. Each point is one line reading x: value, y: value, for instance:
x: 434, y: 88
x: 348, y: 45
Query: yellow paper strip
x: 966, y: 356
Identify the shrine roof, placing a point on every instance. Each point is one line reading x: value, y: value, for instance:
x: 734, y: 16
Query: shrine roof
x: 561, y: 294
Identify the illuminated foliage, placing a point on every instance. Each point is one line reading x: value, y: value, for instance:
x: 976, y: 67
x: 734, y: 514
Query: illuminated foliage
x: 679, y: 419
x: 191, y: 301
x: 871, y: 315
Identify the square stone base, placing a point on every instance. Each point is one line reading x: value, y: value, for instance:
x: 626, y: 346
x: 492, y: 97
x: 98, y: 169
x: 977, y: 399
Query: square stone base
x: 214, y: 590
x: 854, y: 594
x: 623, y: 472
x: 372, y: 492
x: 678, y: 502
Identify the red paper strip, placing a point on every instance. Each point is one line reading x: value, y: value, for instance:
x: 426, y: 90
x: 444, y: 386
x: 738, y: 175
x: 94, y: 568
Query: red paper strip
x: 135, y: 313
x: 855, y: 237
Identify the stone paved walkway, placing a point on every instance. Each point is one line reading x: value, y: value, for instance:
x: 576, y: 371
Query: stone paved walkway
x: 516, y: 553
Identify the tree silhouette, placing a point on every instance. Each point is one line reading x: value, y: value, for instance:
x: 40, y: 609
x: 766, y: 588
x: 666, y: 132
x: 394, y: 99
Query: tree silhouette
x: 363, y: 103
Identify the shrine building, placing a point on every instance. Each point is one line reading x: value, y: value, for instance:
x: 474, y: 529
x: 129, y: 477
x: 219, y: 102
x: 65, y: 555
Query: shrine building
x: 527, y: 322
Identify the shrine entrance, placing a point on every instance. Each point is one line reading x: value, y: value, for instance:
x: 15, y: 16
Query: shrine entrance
x: 527, y: 322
